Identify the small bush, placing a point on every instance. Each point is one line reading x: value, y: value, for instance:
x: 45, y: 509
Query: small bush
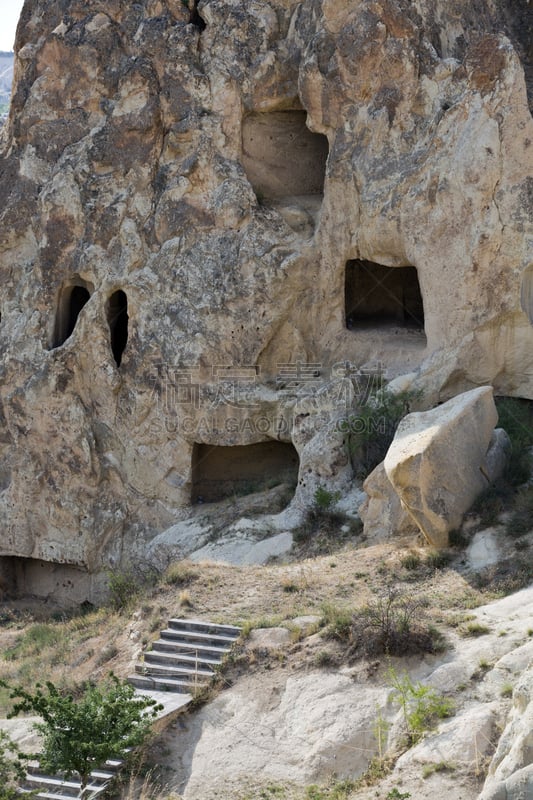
x: 394, y: 625
x: 395, y: 794
x: 411, y: 561
x: 516, y: 417
x: 421, y: 705
x: 324, y: 659
x: 11, y: 768
x: 506, y: 690
x: 337, y: 622
x: 324, y: 499
x: 373, y: 428
x: 124, y: 587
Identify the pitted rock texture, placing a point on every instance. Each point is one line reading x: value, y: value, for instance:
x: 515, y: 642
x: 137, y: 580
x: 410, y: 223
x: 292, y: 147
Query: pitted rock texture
x: 123, y: 170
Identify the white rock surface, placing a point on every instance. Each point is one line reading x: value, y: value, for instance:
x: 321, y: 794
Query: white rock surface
x: 301, y: 728
x: 244, y: 550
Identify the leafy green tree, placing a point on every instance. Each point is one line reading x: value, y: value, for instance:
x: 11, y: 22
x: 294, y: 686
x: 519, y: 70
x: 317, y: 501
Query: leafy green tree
x: 79, y: 735
x: 11, y: 768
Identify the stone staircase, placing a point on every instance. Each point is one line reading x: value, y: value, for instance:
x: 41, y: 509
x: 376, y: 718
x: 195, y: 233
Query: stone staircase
x: 185, y: 658
x: 180, y: 663
x: 57, y: 788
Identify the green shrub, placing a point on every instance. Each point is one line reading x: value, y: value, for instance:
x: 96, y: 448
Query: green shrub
x: 337, y: 621
x: 372, y: 429
x: 81, y: 734
x: 124, y: 587
x: 395, y: 794
x: 324, y: 499
x: 421, y: 705
x: 516, y: 417
x: 11, y: 768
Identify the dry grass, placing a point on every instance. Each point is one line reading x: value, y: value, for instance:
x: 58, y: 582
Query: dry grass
x: 70, y: 650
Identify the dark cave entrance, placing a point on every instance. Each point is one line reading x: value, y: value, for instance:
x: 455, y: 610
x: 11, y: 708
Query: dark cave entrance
x: 72, y: 299
x: 117, y: 319
x: 281, y: 156
x: 219, y: 472
x: 195, y: 18
x: 377, y: 296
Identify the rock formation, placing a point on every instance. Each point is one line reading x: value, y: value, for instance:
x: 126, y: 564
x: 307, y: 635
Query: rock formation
x: 216, y: 219
x: 437, y: 465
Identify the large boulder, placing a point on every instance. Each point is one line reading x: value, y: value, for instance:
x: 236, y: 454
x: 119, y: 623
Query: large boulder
x: 382, y: 512
x: 440, y: 460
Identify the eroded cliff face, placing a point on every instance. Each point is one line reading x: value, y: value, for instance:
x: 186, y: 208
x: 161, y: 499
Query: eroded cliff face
x: 200, y: 213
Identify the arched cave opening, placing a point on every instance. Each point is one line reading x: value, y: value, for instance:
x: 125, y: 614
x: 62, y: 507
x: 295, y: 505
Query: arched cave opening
x: 281, y: 156
x: 379, y: 296
x: 72, y: 299
x: 219, y: 472
x: 117, y: 319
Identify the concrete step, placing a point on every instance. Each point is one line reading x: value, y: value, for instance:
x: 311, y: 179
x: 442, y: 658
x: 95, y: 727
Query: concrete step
x: 205, y: 627
x: 46, y: 795
x: 180, y: 660
x: 195, y: 637
x: 162, y: 683
x: 186, y: 648
x: 46, y: 786
x: 180, y: 673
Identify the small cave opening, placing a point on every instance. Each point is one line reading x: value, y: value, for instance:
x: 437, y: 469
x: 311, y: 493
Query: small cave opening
x: 282, y: 157
x: 72, y: 299
x: 195, y: 18
x: 222, y: 471
x: 377, y: 296
x: 117, y: 319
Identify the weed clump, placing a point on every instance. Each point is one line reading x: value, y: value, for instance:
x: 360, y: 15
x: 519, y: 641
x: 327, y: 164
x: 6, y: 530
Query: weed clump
x: 395, y: 625
x: 422, y: 706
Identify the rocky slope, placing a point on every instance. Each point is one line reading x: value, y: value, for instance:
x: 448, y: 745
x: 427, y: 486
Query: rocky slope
x: 216, y: 219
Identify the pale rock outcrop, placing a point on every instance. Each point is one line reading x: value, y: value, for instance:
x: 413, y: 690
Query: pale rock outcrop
x: 382, y: 511
x: 511, y: 770
x: 215, y: 300
x: 439, y: 461
x: 299, y: 727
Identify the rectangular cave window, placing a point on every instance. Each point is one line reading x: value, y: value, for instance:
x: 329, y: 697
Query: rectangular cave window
x: 379, y: 296
x: 219, y: 472
x: 281, y: 156
x: 72, y: 299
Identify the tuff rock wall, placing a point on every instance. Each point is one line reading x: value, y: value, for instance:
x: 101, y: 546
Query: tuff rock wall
x: 133, y: 132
